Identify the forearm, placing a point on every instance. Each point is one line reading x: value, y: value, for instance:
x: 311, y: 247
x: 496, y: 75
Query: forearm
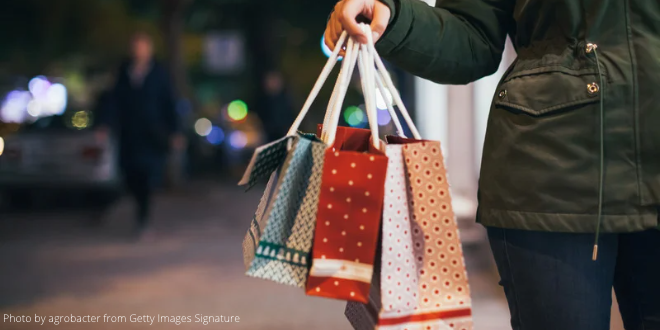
x: 456, y: 42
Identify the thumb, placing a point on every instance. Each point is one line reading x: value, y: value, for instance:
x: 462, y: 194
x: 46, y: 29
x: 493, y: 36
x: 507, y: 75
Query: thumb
x: 380, y: 20
x: 348, y: 19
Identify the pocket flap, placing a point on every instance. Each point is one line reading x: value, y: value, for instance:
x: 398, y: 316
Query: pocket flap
x: 543, y: 90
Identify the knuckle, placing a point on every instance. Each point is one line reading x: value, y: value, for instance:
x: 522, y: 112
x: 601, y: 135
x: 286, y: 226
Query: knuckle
x: 378, y: 27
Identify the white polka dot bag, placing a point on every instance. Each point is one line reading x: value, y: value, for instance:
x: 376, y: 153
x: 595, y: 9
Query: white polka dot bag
x: 422, y: 279
x: 351, y: 197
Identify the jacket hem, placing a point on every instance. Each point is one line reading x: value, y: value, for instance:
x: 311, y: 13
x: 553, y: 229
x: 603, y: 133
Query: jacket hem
x: 569, y: 223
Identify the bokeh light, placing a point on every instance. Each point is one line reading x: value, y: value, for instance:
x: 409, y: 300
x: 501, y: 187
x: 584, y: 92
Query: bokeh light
x: 43, y: 99
x: 238, y: 140
x: 216, y: 136
x: 381, y: 102
x: 2, y: 145
x: 326, y: 50
x: 237, y: 110
x: 34, y: 108
x: 203, y: 127
x: 14, y: 106
x: 384, y: 117
x: 80, y: 120
x: 355, y: 117
x: 56, y: 100
x: 39, y: 86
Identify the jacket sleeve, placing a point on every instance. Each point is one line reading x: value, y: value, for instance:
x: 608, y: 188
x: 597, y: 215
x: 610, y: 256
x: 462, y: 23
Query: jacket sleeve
x: 457, y: 42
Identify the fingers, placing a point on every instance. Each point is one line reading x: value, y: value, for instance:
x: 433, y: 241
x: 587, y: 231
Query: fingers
x: 347, y: 17
x: 380, y: 20
x: 329, y: 36
x: 333, y: 30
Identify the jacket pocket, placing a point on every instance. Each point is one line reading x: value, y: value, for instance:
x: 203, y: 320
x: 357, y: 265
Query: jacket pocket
x: 548, y: 89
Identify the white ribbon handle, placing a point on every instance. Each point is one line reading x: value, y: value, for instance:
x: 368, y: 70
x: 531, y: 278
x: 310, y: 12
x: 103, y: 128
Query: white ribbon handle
x: 329, y: 65
x: 332, y: 105
x: 384, y: 74
x: 365, y: 60
x: 368, y: 73
x: 349, y: 62
x: 390, y: 106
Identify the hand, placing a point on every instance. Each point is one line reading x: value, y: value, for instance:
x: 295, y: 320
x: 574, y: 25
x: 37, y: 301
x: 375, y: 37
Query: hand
x: 345, y: 18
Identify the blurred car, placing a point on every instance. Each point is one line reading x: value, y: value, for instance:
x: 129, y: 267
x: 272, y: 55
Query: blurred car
x: 51, y: 156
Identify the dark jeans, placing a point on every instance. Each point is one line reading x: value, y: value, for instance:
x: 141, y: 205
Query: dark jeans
x: 551, y: 283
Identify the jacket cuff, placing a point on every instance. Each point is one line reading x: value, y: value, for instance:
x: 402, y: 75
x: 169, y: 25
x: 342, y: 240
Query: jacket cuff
x: 400, y: 22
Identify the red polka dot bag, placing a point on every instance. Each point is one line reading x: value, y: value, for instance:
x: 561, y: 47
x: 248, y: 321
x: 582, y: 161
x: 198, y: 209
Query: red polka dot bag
x: 351, y: 196
x: 422, y: 278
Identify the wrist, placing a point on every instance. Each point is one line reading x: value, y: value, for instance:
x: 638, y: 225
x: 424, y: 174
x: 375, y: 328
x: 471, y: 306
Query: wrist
x: 392, y: 5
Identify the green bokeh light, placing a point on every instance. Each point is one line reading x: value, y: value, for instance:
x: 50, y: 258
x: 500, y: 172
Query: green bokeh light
x: 237, y: 110
x: 354, y: 116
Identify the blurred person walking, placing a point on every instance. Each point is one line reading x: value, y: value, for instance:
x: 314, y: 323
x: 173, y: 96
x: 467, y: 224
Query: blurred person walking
x: 276, y: 107
x: 142, y: 112
x: 572, y: 148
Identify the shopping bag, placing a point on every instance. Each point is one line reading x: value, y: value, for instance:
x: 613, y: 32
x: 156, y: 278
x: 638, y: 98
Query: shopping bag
x: 350, y: 203
x: 282, y: 254
x: 278, y: 243
x: 364, y: 316
x: 423, y: 282
x: 266, y: 160
x: 395, y: 255
x: 438, y: 296
x: 253, y: 236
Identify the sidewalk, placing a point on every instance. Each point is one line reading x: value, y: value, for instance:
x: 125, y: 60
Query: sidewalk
x: 55, y: 265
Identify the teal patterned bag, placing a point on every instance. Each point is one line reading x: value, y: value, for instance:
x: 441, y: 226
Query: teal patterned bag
x: 279, y: 242
x: 266, y: 160
x: 251, y: 240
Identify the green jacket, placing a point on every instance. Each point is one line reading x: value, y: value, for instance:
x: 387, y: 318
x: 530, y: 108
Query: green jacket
x: 542, y: 158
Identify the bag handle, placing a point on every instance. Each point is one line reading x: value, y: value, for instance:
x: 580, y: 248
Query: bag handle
x: 390, y: 106
x: 333, y: 99
x: 354, y: 52
x: 331, y: 106
x: 348, y: 64
x: 368, y: 72
x: 385, y: 76
x: 381, y: 78
x: 360, y: 53
x: 329, y: 65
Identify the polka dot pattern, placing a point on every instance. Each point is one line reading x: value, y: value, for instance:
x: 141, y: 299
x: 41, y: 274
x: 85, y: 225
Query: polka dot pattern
x: 441, y: 277
x: 398, y: 246
x: 423, y: 282
x: 352, y: 187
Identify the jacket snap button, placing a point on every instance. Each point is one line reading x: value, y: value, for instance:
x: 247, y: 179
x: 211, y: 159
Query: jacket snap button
x: 502, y: 94
x: 593, y: 88
x: 590, y: 48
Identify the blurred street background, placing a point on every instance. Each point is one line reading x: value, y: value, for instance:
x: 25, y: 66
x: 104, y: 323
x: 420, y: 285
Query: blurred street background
x: 55, y: 265
x: 108, y: 208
